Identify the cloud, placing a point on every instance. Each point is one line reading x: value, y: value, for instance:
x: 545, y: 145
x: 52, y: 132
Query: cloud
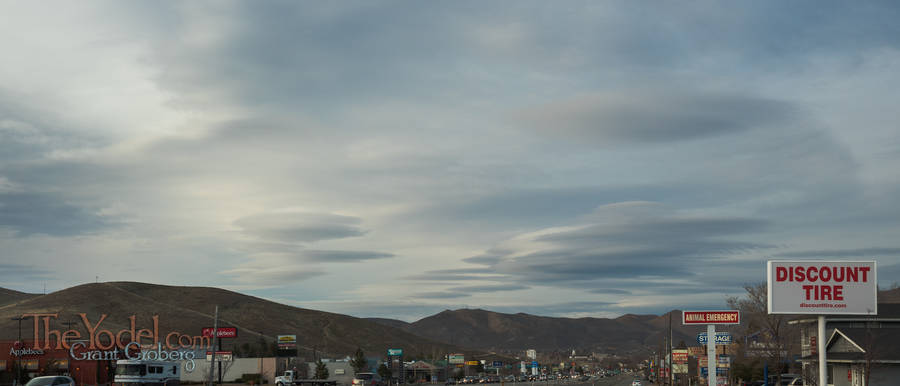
x: 657, y: 116
x: 320, y: 256
x: 271, y: 275
x: 31, y: 213
x: 300, y: 227
x: 627, y: 242
x: 829, y: 253
x: 22, y: 273
x: 440, y: 295
x: 489, y: 288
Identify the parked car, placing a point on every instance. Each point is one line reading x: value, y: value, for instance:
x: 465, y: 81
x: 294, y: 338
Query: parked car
x: 51, y: 381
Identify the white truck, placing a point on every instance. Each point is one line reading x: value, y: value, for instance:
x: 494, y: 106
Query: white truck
x: 288, y: 379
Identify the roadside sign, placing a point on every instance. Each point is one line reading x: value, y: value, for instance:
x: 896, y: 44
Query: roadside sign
x: 722, y: 338
x: 287, y: 341
x: 822, y: 287
x: 534, y: 364
x: 497, y: 364
x: 456, y: 359
x: 395, y: 352
x: 679, y: 356
x: 711, y: 317
x: 221, y: 332
x: 473, y: 363
x: 220, y: 356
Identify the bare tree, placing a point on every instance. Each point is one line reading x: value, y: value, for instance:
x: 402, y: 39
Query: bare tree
x: 777, y: 337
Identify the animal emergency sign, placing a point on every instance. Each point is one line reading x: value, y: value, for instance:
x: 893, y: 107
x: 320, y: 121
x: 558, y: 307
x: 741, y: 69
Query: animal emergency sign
x: 822, y: 287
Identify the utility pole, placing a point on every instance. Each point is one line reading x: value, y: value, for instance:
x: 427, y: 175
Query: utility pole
x: 19, y: 318
x: 671, y: 373
x: 215, y: 333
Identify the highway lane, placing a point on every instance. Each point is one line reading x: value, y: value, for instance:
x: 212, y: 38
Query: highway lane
x: 619, y: 380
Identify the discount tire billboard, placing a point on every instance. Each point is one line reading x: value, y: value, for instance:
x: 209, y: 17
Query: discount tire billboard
x: 822, y: 287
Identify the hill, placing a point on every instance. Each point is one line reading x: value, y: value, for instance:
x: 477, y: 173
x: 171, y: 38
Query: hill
x: 494, y: 331
x: 189, y: 309
x: 8, y: 296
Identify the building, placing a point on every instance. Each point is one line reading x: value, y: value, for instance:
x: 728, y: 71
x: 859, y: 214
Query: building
x: 856, y: 345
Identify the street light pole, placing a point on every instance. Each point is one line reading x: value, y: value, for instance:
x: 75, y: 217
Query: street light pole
x: 19, y: 318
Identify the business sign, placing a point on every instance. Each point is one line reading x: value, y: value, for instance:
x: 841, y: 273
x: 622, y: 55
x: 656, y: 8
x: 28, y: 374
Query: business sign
x: 679, y: 356
x: 822, y: 287
x: 721, y: 338
x: 456, y: 359
x: 395, y: 352
x: 497, y: 364
x: 473, y: 363
x: 221, y: 332
x: 711, y: 317
x: 287, y: 341
x: 224, y: 356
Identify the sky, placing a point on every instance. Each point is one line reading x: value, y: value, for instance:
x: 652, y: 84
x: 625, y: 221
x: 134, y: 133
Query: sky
x: 398, y: 158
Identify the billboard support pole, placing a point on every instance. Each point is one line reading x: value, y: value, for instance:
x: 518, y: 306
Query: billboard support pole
x: 823, y: 365
x: 215, y: 333
x: 712, y: 360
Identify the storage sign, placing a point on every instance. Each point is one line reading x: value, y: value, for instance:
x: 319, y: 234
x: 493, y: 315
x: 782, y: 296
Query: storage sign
x: 822, y: 287
x: 722, y: 338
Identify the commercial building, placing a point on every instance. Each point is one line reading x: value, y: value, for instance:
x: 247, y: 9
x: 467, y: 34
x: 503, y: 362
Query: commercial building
x: 857, y: 346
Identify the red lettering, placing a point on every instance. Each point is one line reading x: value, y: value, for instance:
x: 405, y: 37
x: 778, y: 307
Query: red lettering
x: 809, y: 273
x: 109, y: 336
x: 171, y: 346
x: 838, y: 292
x: 825, y: 291
x: 825, y: 274
x: 839, y: 278
x: 865, y: 271
x: 800, y: 276
x: 781, y: 273
x: 155, y: 329
x: 48, y: 333
x: 71, y: 334
x: 807, y: 288
x: 37, y: 342
x: 91, y: 330
x: 131, y: 334
x: 852, y: 274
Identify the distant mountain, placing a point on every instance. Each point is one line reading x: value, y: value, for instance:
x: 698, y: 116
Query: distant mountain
x: 889, y: 296
x: 189, y: 309
x: 493, y: 331
x: 390, y: 322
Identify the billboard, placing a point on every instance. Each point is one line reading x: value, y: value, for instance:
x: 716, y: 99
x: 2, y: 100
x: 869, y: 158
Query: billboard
x: 822, y: 287
x: 456, y: 359
x: 711, y: 317
x: 221, y: 332
x: 287, y: 341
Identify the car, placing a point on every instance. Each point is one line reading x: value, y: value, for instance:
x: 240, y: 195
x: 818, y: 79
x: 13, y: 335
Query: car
x: 54, y: 380
x: 636, y: 382
x: 366, y: 379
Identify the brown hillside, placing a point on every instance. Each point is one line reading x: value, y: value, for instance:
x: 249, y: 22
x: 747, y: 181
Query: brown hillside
x: 189, y: 309
x: 8, y: 296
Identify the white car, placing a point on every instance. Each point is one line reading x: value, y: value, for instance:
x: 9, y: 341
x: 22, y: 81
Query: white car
x: 635, y: 383
x: 55, y: 380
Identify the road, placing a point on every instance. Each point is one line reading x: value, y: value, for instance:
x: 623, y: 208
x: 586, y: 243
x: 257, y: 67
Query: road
x: 619, y: 380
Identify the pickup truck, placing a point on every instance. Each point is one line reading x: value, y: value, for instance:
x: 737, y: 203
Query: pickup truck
x: 288, y: 380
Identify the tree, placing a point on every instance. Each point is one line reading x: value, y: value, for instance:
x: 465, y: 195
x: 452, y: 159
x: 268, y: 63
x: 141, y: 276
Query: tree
x: 359, y: 362
x: 321, y: 370
x: 777, y: 338
x: 384, y: 372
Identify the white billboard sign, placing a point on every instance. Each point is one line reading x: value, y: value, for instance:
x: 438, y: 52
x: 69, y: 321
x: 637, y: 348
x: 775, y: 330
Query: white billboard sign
x: 822, y: 287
